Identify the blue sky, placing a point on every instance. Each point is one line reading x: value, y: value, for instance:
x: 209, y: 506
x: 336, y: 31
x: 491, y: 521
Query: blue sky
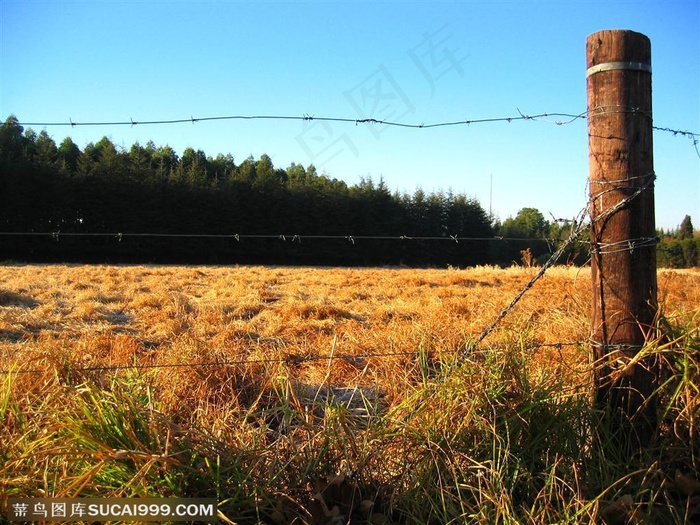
x: 412, y: 62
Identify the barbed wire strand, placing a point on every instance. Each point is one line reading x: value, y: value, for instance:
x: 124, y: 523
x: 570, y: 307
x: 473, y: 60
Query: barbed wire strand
x: 579, y: 224
x: 577, y: 228
x: 290, y: 359
x: 306, y: 117
x: 563, y: 119
x: 119, y: 236
x: 569, y: 118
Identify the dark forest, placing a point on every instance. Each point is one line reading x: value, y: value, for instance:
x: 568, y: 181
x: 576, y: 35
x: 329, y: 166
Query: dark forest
x: 147, y: 204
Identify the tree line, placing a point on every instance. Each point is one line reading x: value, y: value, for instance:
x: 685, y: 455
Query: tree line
x: 679, y: 248
x: 45, y: 187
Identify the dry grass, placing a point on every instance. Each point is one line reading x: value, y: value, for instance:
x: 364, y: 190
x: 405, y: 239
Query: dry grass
x: 113, y: 316
x: 282, y: 426
x: 283, y: 311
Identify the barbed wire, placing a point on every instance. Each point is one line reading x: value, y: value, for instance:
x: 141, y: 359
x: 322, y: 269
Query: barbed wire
x: 119, y: 236
x: 306, y: 117
x: 577, y: 227
x: 596, y: 247
x: 563, y: 118
x: 648, y: 178
x: 566, y: 118
x: 292, y: 360
x: 694, y: 137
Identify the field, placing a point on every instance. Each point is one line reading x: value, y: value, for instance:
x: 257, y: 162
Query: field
x: 330, y: 396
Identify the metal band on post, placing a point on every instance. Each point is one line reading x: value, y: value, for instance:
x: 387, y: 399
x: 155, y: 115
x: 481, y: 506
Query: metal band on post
x: 612, y: 66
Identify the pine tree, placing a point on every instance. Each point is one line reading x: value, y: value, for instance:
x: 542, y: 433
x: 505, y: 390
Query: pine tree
x: 686, y: 229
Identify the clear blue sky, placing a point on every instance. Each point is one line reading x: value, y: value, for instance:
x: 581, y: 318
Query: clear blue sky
x: 413, y: 62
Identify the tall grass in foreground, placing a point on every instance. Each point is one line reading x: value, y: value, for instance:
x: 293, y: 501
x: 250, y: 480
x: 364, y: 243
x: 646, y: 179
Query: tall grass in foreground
x: 497, y: 440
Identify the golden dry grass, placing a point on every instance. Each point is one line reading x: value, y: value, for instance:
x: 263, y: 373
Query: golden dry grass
x: 149, y: 315
x: 276, y: 329
x: 110, y: 315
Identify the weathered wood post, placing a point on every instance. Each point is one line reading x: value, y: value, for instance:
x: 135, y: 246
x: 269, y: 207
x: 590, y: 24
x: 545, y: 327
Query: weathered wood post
x: 623, y: 236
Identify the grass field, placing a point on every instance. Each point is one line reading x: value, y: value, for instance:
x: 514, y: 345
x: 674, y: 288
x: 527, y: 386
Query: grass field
x: 319, y: 396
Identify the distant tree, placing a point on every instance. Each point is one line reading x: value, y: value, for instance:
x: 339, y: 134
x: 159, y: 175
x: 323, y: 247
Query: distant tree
x: 220, y: 168
x: 193, y: 167
x: 691, y: 249
x: 529, y: 223
x: 311, y: 174
x: 246, y: 171
x: 108, y: 161
x: 45, y: 149
x: 686, y: 229
x: 29, y: 145
x: 417, y: 211
x: 68, y: 154
x: 105, y: 149
x: 87, y: 160
x: 267, y: 178
x: 678, y: 248
x: 297, y: 176
x: 438, y: 204
x: 577, y: 252
x: 141, y: 160
x: 12, y: 140
x: 466, y: 217
x: 164, y: 160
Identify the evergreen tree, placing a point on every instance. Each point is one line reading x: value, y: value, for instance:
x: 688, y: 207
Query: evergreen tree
x: 220, y: 168
x: 530, y: 225
x: 246, y: 171
x: 164, y: 160
x: 141, y: 160
x: 68, y: 155
x: 45, y: 149
x: 686, y: 229
x: 12, y: 140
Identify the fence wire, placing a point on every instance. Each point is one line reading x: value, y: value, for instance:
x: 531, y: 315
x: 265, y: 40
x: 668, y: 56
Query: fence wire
x: 576, y: 230
x: 563, y: 118
x: 556, y: 118
x: 569, y: 118
x: 560, y: 119
x: 292, y: 360
x: 56, y: 235
x: 596, y: 247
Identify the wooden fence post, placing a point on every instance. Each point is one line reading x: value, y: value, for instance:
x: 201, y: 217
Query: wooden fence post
x: 623, y: 236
